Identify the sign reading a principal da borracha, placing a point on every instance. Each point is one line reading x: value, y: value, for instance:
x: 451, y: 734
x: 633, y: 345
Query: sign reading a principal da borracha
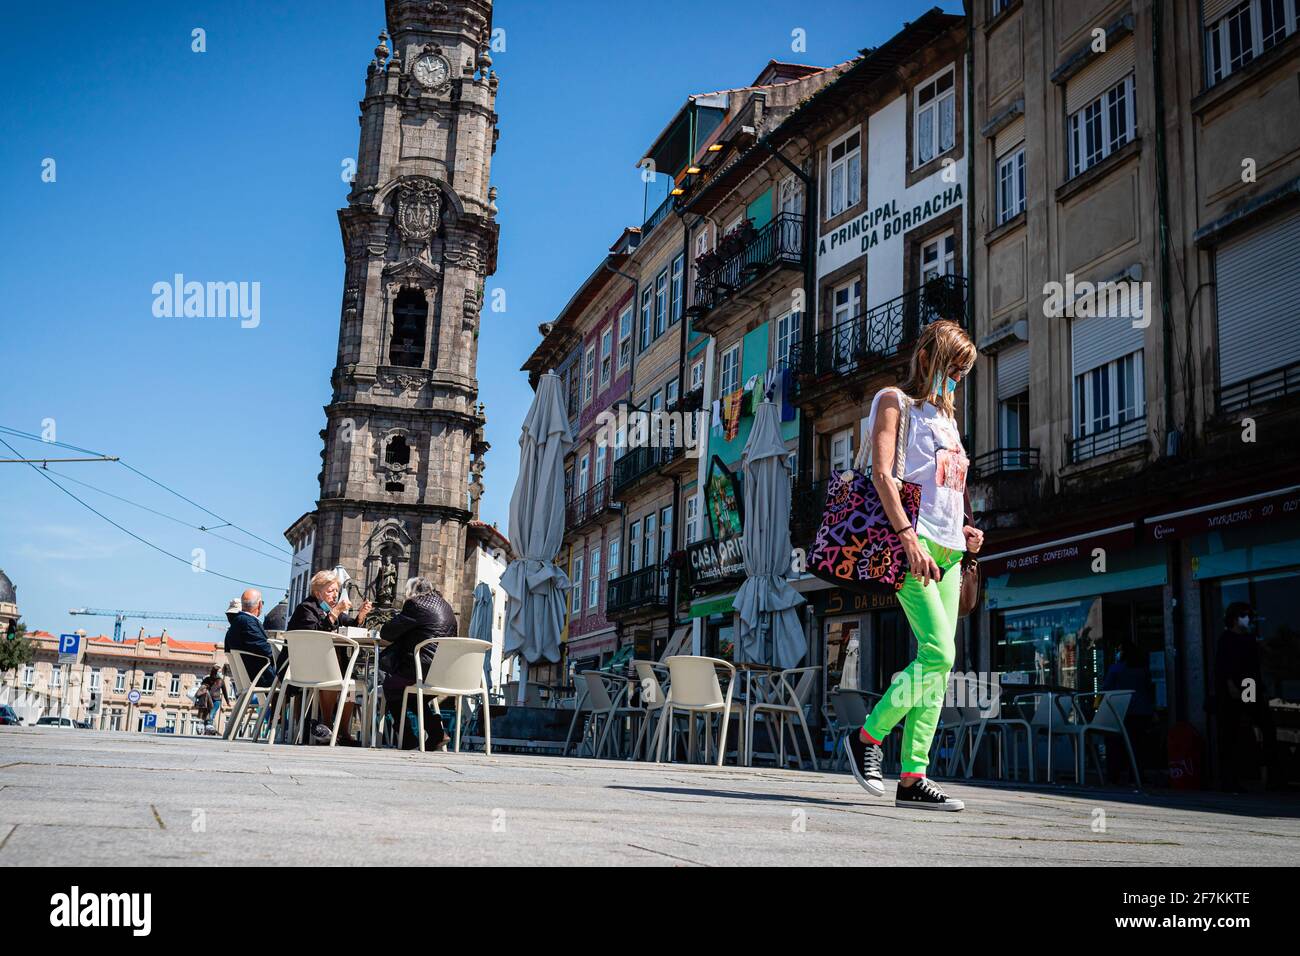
x: 880, y: 224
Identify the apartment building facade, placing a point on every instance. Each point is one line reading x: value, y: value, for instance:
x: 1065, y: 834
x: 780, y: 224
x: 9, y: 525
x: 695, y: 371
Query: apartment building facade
x: 1136, y: 231
x: 162, y: 671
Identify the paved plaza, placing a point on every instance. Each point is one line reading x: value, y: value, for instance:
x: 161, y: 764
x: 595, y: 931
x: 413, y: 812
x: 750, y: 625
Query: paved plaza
x: 85, y: 797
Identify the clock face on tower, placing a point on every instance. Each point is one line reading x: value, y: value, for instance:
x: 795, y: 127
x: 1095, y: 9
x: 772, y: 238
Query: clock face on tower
x: 430, y: 70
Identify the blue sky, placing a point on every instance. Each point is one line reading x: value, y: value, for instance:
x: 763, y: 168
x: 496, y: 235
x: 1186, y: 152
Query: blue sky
x: 225, y: 166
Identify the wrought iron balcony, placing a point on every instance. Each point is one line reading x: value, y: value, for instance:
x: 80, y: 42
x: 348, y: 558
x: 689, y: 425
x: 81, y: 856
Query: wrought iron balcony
x: 637, y: 590
x: 1003, y: 461
x: 740, y: 260
x: 1131, y: 432
x: 640, y: 462
x: 596, y: 501
x: 1277, y: 383
x: 857, y: 344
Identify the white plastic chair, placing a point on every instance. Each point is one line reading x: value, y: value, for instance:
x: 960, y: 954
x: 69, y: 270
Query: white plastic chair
x: 1108, y: 718
x: 1048, y: 718
x: 246, y: 687
x: 784, y: 699
x: 456, y: 671
x: 653, y: 678
x: 314, y: 667
x: 694, y: 689
x: 981, y: 723
x: 606, y: 697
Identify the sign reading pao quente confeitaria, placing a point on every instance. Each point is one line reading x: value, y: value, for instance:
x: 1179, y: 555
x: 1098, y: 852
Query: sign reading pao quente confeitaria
x: 889, y: 220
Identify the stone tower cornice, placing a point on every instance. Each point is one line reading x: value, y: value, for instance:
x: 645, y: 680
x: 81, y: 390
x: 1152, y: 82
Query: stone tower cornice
x: 471, y: 19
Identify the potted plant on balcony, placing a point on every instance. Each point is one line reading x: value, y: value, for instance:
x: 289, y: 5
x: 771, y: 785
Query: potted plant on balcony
x: 943, y: 298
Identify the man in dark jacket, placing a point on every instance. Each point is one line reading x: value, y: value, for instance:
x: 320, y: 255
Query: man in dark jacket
x: 425, y: 614
x: 247, y: 636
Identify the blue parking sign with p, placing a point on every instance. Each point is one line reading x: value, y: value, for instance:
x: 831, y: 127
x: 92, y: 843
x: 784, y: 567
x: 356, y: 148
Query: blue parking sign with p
x: 69, y: 646
x: 150, y: 721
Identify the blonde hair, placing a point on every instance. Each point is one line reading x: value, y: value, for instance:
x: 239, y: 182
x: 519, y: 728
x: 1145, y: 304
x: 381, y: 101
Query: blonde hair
x: 941, y: 345
x: 319, y: 581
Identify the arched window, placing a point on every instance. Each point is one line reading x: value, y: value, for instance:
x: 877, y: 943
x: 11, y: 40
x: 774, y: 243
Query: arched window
x: 397, y: 455
x: 410, y: 316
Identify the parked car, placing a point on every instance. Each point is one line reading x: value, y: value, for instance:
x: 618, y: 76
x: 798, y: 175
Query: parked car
x: 8, y: 717
x: 56, y: 722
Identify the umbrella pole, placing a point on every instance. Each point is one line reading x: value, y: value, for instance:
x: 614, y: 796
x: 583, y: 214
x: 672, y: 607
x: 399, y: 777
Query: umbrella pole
x: 523, y: 680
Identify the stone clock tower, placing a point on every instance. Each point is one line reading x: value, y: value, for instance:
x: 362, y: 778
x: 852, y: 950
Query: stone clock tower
x: 404, y: 446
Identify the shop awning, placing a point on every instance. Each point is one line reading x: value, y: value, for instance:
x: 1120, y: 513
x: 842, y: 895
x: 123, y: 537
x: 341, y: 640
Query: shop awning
x: 714, y: 604
x: 1267, y: 506
x: 591, y: 646
x: 620, y: 658
x: 1059, y: 551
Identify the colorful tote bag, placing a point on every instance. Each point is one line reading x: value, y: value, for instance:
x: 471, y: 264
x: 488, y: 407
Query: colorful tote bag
x: 856, y: 547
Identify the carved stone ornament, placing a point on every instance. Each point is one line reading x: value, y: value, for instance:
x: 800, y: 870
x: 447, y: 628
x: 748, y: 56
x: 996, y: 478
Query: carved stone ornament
x: 401, y: 381
x: 418, y: 207
x: 472, y: 304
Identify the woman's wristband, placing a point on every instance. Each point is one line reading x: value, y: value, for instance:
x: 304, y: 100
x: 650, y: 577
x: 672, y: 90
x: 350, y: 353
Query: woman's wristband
x: 903, y: 531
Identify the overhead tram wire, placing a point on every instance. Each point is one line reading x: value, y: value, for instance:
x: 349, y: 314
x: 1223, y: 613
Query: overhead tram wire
x: 127, y: 531
x: 283, y: 550
x: 163, y: 514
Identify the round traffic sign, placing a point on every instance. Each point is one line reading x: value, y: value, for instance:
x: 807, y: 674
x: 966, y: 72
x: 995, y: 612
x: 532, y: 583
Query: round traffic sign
x: 134, y: 697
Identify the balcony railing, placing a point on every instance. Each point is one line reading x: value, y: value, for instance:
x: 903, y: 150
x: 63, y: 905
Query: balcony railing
x: 727, y: 271
x: 1004, y: 460
x: 658, y: 216
x: 1131, y: 432
x: 879, y: 332
x: 638, y: 589
x: 1262, y: 388
x: 585, y: 507
x: 642, y: 461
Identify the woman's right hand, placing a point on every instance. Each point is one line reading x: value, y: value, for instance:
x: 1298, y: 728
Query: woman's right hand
x: 919, y: 562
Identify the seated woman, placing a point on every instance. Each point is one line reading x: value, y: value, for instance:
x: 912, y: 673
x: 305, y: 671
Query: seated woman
x: 325, y: 610
x: 424, y: 615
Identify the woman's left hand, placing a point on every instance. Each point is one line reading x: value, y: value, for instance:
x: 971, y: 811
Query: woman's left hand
x: 974, y: 539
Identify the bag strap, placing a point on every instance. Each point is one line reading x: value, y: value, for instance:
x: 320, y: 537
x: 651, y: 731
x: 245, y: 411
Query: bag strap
x: 863, y: 457
x: 900, y: 440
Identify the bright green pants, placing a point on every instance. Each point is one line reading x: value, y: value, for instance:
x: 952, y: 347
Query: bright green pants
x: 917, y: 691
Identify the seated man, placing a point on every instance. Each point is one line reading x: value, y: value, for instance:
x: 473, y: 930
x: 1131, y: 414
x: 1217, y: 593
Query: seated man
x: 247, y: 635
x: 425, y: 614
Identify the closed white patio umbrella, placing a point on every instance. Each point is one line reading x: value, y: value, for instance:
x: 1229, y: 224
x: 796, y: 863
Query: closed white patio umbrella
x: 768, y: 628
x: 536, y: 588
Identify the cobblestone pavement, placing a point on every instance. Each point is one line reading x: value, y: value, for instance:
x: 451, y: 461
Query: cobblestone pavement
x: 84, y: 797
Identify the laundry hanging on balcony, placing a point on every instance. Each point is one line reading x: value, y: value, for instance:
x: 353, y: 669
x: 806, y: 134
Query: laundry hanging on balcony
x: 731, y: 415
x: 715, y: 419
x: 788, y: 411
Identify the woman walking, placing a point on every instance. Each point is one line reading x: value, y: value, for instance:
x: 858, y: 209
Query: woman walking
x: 936, y: 461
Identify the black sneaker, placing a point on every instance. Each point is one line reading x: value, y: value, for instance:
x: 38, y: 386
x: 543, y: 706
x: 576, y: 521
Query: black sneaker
x: 924, y: 795
x: 320, y: 732
x: 865, y: 760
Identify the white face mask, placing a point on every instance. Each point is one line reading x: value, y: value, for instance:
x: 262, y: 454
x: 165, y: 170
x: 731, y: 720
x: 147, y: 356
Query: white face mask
x: 1243, y: 623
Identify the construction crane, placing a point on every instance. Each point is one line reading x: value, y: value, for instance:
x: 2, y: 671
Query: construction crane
x: 120, y: 616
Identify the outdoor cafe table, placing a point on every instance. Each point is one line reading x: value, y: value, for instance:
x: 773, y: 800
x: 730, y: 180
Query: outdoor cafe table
x: 372, y: 643
x: 748, y: 669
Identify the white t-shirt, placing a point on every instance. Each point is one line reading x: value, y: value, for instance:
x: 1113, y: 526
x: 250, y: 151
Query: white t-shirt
x: 937, y: 462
